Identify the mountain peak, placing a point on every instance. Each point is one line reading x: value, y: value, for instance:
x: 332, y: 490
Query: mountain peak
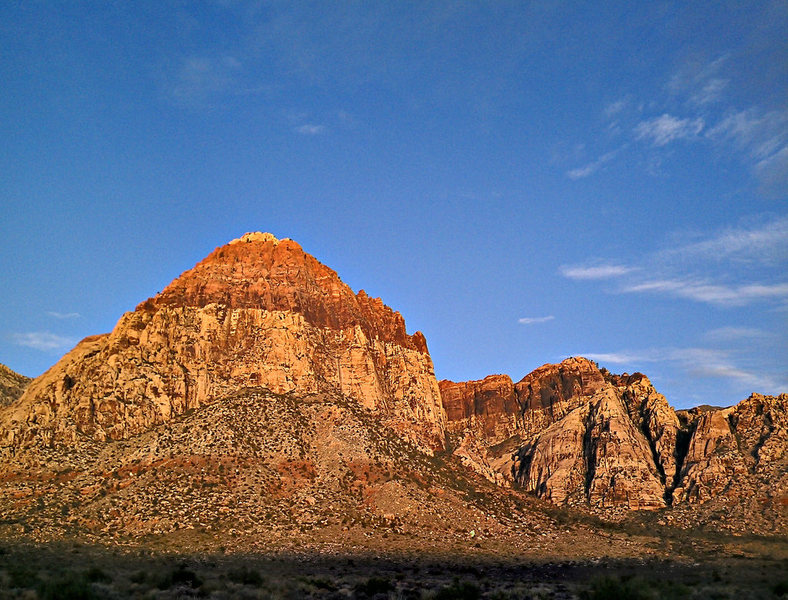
x: 259, y: 271
x: 256, y: 236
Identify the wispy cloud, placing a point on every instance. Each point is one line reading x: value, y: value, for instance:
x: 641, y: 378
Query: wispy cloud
x: 705, y: 362
x: 700, y: 291
x: 666, y: 128
x: 729, y: 333
x: 616, y: 358
x: 766, y: 244
x: 591, y: 167
x: 59, y: 315
x: 595, y: 272
x: 773, y: 172
x: 199, y: 78
x: 710, y: 91
x: 709, y: 363
x: 732, y: 267
x: 614, y: 108
x: 310, y: 129
x: 701, y: 82
x: 533, y: 320
x: 43, y: 340
x: 763, y: 138
x: 760, y: 134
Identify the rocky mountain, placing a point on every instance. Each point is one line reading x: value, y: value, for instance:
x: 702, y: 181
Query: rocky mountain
x: 579, y: 435
x: 255, y: 312
x: 12, y: 385
x: 258, y: 392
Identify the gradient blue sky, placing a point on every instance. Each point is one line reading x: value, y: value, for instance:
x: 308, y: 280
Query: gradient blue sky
x: 523, y: 181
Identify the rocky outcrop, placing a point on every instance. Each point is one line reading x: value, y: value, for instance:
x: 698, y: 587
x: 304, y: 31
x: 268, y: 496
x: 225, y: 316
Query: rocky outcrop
x: 12, y: 385
x: 551, y: 392
x: 594, y: 455
x: 491, y: 418
x: 656, y: 420
x: 488, y: 407
x: 256, y: 312
x: 738, y: 451
x: 576, y: 434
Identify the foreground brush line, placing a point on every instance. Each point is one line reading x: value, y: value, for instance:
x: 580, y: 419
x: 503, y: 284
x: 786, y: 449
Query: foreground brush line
x: 72, y: 570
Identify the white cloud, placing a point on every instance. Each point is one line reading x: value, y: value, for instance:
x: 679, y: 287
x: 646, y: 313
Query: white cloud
x: 700, y: 291
x: 711, y: 91
x: 43, y: 340
x: 614, y: 108
x: 310, y: 129
x: 617, y: 358
x: 598, y: 272
x: 760, y: 134
x: 773, y: 172
x: 59, y: 315
x: 726, y: 334
x: 592, y: 167
x: 705, y: 362
x: 666, y: 128
x: 697, y: 362
x: 532, y: 320
x: 736, y: 266
x: 701, y: 81
x: 763, y: 137
x: 765, y: 244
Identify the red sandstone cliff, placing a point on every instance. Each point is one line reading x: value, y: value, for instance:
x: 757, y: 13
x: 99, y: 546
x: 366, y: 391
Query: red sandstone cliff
x: 255, y: 312
x: 575, y: 434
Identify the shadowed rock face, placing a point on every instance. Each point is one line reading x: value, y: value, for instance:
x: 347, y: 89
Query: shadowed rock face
x: 12, y: 385
x: 256, y: 312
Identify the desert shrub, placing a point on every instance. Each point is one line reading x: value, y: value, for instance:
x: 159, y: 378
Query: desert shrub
x: 22, y: 577
x: 96, y: 575
x: 612, y: 588
x: 245, y: 576
x: 139, y: 577
x: 66, y: 587
x: 374, y: 585
x: 320, y: 583
x: 180, y: 576
x: 459, y: 590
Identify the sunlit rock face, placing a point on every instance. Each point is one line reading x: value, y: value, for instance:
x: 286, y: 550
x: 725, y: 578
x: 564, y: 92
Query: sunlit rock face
x: 257, y: 312
x: 595, y: 454
x: 736, y: 452
x: 576, y: 434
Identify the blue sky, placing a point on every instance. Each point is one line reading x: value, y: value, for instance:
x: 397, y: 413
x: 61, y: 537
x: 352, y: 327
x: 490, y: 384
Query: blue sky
x: 524, y: 182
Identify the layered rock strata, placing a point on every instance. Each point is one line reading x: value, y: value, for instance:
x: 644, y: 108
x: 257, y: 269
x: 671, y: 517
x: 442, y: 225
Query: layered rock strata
x: 576, y: 434
x: 491, y: 418
x: 737, y: 451
x: 596, y: 455
x: 256, y: 312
